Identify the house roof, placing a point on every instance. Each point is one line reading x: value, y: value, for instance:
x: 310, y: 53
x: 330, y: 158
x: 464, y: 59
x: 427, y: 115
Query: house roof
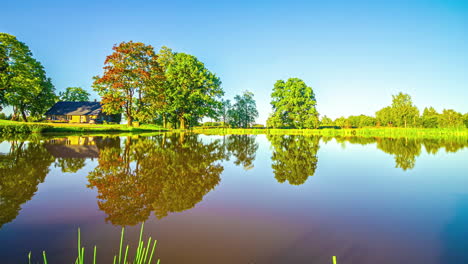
x: 75, y: 108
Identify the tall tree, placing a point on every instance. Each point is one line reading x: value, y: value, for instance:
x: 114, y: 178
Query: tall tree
x: 74, y: 94
x: 430, y: 118
x: 293, y: 105
x: 193, y: 92
x: 130, y: 73
x: 326, y: 121
x: 223, y: 114
x: 404, y: 111
x: 23, y: 81
x: 244, y: 110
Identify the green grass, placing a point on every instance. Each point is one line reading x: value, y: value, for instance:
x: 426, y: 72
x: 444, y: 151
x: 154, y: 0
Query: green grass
x: 144, y: 252
x: 361, y: 132
x: 14, y: 127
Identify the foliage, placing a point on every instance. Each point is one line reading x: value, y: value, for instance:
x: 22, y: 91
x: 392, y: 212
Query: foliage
x: 294, y: 158
x: 23, y: 82
x: 430, y: 118
x: 293, y: 105
x: 404, y: 112
x: 244, y: 111
x: 326, y: 121
x: 465, y: 120
x: 192, y: 91
x: 223, y: 112
x: 451, y: 119
x: 74, y: 94
x: 131, y: 81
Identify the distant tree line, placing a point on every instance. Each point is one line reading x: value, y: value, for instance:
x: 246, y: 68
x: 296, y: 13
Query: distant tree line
x: 402, y: 113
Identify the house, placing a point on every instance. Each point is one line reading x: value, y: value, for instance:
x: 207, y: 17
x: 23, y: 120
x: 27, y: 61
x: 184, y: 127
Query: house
x: 79, y: 112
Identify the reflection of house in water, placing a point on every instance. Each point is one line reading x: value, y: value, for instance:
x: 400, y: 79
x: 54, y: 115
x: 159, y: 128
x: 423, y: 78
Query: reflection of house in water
x: 73, y: 147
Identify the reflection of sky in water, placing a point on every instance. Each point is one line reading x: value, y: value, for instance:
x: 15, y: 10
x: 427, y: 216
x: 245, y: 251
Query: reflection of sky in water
x: 357, y: 206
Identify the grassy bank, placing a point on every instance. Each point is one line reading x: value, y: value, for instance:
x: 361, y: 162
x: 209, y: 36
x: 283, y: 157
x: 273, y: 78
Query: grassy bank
x: 360, y: 132
x: 13, y: 127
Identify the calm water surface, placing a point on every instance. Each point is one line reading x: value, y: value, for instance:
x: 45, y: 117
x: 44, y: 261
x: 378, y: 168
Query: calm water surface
x: 237, y: 199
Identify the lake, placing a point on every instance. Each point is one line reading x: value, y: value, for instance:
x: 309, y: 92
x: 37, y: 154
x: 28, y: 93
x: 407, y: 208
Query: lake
x: 237, y: 198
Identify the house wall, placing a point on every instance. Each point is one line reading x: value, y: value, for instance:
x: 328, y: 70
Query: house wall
x: 75, y: 119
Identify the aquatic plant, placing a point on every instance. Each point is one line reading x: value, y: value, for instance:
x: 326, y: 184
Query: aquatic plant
x: 144, y: 252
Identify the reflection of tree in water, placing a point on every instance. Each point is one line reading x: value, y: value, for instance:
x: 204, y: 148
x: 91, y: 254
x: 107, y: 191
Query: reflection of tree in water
x: 162, y: 174
x: 21, y: 171
x: 405, y: 151
x: 243, y: 148
x: 294, y: 157
x: 70, y: 164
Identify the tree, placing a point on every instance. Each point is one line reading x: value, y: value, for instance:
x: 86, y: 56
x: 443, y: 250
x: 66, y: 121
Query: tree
x: 451, y: 119
x: 23, y: 81
x: 131, y: 80
x: 223, y: 114
x: 404, y: 111
x: 326, y: 121
x: 385, y: 117
x: 430, y: 118
x: 193, y: 92
x: 342, y: 122
x: 293, y: 105
x: 465, y: 119
x: 74, y: 94
x: 244, y: 110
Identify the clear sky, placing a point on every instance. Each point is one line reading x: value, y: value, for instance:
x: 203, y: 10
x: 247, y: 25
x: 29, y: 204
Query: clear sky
x: 354, y: 54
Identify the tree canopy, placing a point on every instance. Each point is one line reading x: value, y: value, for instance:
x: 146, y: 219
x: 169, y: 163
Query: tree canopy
x: 293, y: 105
x: 74, y: 94
x: 130, y: 72
x: 23, y: 81
x: 244, y: 110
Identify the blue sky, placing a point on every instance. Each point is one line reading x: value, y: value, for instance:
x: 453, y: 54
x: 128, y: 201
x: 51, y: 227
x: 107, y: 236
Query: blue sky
x: 355, y: 54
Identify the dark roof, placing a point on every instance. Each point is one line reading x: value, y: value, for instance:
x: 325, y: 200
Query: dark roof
x: 75, y: 108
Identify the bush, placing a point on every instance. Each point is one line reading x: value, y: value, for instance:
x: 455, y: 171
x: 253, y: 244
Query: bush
x: 258, y: 126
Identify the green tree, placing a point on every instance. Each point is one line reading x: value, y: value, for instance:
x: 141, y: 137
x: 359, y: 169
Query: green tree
x: 223, y: 114
x: 23, y: 81
x: 451, y: 119
x: 244, y: 110
x: 342, y: 122
x: 74, y: 94
x: 131, y: 80
x: 326, y: 121
x: 465, y: 119
x: 193, y: 92
x: 385, y: 117
x: 404, y: 112
x: 430, y: 118
x: 293, y: 105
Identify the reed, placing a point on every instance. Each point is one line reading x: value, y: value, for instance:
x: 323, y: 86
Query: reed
x: 143, y: 255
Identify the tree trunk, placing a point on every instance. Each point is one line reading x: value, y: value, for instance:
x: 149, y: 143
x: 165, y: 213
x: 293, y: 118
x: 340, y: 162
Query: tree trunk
x: 164, y: 121
x: 23, y: 114
x: 182, y: 123
x: 129, y: 121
